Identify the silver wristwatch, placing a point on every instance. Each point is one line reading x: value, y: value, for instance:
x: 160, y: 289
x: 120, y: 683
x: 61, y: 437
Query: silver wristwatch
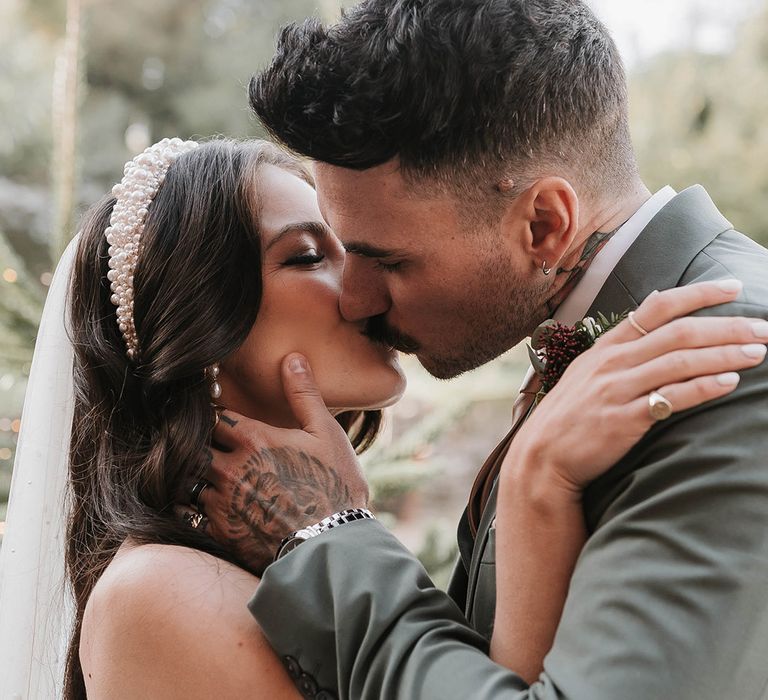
x: 345, y: 516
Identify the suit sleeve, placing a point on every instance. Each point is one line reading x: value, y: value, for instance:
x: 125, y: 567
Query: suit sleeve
x: 360, y: 614
x: 669, y: 597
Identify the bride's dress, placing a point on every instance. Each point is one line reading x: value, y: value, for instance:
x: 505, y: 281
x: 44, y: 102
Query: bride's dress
x: 36, y: 609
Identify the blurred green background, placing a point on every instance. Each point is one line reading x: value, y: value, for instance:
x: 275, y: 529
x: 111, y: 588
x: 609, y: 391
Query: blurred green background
x: 85, y: 85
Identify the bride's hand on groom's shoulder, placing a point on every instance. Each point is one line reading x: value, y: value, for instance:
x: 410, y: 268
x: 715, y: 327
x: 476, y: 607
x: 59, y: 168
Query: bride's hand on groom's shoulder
x: 600, y: 408
x: 267, y: 482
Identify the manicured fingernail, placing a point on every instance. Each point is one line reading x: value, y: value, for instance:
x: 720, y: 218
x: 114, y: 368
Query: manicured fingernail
x: 728, y: 379
x: 756, y: 352
x: 654, y: 293
x: 760, y: 329
x: 731, y: 286
x: 297, y: 365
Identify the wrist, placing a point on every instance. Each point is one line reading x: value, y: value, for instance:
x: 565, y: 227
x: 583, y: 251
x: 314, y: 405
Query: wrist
x: 537, y: 480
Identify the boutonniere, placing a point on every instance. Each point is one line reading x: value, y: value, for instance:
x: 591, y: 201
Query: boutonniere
x: 555, y: 345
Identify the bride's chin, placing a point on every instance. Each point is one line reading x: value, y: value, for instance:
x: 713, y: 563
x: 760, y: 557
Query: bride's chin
x: 370, y: 402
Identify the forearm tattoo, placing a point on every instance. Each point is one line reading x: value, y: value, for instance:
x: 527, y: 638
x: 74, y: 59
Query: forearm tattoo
x: 280, y: 490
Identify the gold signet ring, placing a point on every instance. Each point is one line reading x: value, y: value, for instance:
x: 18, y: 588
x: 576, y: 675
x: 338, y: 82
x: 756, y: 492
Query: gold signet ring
x: 659, y: 406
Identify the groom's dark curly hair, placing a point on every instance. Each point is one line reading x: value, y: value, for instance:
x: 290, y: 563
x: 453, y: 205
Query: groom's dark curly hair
x: 454, y: 88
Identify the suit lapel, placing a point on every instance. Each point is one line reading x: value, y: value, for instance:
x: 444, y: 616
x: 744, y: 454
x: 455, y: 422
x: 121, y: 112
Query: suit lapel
x: 661, y: 254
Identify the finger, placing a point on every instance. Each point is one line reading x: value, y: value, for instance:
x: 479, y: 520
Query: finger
x: 303, y: 395
x: 694, y: 332
x: 662, y: 307
x: 684, y: 365
x: 234, y: 431
x: 686, y: 395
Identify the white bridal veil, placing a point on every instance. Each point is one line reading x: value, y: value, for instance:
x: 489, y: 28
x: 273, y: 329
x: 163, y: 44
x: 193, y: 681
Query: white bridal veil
x: 36, y: 609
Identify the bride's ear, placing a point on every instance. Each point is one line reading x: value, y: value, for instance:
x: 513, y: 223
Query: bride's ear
x: 550, y: 210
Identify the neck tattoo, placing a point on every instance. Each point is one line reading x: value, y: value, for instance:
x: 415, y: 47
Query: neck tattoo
x: 574, y: 275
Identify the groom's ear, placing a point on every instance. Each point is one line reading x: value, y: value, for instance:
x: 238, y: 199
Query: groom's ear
x: 550, y: 212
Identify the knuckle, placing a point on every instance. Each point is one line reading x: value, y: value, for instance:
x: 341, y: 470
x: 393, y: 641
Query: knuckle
x: 604, y: 390
x: 699, y: 294
x: 680, y: 332
x: 652, y: 305
x: 611, y: 358
x: 741, y: 328
x: 679, y: 363
x: 670, y: 298
x: 703, y: 389
x: 305, y: 390
x: 252, y: 442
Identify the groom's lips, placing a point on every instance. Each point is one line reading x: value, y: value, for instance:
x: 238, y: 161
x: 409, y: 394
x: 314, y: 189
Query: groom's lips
x: 377, y: 330
x: 405, y: 346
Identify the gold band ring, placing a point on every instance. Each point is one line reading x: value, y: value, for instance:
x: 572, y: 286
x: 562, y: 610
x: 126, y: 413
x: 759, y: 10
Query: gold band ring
x: 659, y: 406
x: 634, y: 323
x: 217, y: 409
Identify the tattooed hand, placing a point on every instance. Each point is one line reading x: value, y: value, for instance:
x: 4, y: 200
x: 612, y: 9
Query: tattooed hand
x: 272, y: 481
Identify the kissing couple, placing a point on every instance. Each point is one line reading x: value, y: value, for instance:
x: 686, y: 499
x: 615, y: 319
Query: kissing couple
x: 221, y: 337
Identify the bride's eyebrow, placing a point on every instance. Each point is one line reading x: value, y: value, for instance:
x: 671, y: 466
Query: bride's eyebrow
x: 316, y: 228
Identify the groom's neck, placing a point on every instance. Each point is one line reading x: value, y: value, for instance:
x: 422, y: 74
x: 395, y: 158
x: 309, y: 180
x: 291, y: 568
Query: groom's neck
x: 598, y: 225
x: 609, y: 213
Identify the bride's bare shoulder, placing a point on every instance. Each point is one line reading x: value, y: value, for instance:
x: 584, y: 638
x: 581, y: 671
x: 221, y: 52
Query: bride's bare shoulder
x: 155, y: 574
x: 168, y: 621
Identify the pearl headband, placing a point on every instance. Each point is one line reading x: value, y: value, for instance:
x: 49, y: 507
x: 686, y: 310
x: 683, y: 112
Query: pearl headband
x: 141, y: 181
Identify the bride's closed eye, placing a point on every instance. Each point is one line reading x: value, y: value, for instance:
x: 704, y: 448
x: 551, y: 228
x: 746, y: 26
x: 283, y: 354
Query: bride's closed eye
x: 312, y: 257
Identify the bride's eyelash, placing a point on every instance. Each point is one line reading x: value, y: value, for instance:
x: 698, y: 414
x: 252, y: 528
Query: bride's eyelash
x: 305, y: 259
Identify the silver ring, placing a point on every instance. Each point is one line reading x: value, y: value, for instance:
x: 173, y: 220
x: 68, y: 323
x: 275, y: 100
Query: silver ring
x: 633, y: 322
x: 659, y: 406
x: 197, y: 491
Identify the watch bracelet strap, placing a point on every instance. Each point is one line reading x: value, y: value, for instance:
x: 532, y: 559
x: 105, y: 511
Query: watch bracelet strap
x: 343, y: 517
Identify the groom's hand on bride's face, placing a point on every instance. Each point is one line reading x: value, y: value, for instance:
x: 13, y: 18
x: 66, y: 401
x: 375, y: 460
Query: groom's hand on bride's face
x: 267, y: 482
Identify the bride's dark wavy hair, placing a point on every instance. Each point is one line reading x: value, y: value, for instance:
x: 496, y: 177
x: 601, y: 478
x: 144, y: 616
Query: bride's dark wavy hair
x: 140, y: 430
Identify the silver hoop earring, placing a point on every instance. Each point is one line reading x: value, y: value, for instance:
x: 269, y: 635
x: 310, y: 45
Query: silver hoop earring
x: 213, y: 373
x: 546, y: 270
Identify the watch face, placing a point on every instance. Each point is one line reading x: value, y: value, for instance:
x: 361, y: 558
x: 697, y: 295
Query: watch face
x: 291, y: 544
x: 294, y: 541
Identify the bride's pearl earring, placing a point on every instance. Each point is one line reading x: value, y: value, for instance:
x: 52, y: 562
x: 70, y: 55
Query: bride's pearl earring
x: 213, y: 373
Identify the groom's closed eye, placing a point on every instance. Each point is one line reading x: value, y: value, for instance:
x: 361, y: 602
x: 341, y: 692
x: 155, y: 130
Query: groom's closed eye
x: 366, y: 250
x: 387, y: 260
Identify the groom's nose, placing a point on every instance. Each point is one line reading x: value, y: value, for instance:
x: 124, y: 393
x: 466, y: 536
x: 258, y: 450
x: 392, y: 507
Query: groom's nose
x: 363, y: 292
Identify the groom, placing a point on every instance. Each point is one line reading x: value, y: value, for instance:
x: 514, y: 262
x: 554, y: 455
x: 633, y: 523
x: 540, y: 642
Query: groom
x: 474, y: 158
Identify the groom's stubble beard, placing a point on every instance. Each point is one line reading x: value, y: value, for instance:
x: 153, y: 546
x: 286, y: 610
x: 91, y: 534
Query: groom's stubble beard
x: 480, y: 318
x: 501, y: 310
x: 522, y: 303
x: 507, y: 307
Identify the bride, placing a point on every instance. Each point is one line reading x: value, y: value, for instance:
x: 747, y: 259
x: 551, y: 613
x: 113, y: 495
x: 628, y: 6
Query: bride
x: 188, y: 286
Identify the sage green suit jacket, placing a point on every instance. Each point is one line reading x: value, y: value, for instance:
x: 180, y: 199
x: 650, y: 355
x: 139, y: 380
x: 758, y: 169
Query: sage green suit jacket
x: 669, y: 598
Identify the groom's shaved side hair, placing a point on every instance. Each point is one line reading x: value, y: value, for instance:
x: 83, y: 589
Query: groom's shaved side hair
x: 461, y: 91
